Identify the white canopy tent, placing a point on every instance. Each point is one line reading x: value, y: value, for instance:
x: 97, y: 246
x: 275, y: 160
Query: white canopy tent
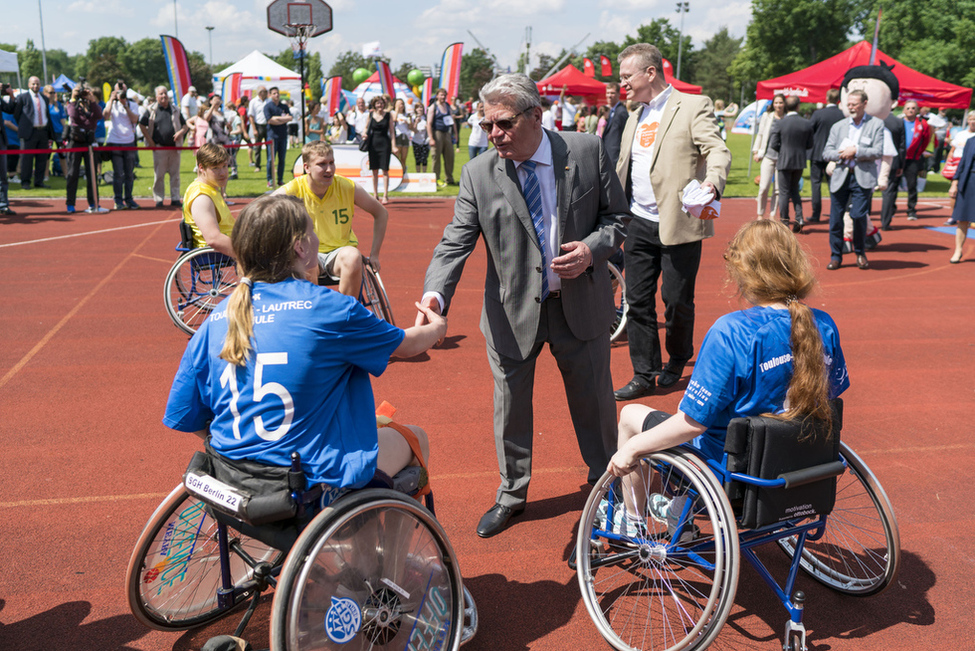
x: 8, y: 63
x: 258, y: 70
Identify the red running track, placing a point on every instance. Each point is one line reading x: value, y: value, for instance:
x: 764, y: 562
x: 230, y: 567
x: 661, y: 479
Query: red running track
x: 88, y: 355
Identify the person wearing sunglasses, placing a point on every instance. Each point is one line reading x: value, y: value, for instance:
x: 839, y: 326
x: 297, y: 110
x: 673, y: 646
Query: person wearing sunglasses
x: 550, y: 208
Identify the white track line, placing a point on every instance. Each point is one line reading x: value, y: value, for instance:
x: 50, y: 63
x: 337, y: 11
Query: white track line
x: 106, y: 230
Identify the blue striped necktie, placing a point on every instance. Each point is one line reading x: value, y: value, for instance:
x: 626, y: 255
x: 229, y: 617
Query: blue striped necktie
x: 533, y: 197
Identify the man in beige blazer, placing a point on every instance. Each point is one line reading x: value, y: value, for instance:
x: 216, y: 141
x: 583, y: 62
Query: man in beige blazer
x: 669, y: 139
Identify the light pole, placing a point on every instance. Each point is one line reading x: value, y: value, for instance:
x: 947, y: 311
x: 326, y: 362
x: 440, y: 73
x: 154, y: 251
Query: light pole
x: 40, y: 13
x: 210, y: 39
x: 175, y: 20
x: 682, y: 8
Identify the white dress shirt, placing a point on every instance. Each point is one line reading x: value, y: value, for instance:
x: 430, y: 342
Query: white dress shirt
x: 545, y: 172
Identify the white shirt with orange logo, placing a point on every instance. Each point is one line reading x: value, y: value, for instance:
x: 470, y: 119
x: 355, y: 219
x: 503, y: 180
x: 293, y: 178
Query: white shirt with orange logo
x: 644, y: 201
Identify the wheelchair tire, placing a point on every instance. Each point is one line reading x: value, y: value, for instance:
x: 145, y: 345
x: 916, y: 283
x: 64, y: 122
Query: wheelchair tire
x: 196, y: 283
x: 619, y: 301
x: 859, y: 553
x: 664, y: 585
x: 171, y: 592
x: 373, y: 295
x: 377, y: 569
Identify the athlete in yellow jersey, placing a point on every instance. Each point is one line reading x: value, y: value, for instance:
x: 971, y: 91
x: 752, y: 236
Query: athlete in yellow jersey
x: 204, y: 207
x: 330, y: 200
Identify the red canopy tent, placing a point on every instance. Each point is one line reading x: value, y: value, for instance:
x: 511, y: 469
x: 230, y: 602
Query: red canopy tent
x: 575, y: 83
x: 682, y: 86
x: 811, y: 83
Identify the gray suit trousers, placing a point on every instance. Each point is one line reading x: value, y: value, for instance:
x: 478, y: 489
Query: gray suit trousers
x: 585, y: 368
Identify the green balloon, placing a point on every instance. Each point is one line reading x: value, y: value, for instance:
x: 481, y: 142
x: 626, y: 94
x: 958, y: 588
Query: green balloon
x: 360, y: 75
x: 415, y: 77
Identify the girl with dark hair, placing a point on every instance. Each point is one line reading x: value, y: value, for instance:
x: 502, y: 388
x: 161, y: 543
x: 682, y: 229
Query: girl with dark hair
x: 283, y: 365
x: 779, y: 357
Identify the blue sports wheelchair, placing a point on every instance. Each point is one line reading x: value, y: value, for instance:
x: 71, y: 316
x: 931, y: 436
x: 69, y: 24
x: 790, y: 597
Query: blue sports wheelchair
x: 352, y: 570
x: 657, y: 558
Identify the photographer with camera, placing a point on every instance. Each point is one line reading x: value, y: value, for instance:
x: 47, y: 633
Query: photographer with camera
x: 124, y: 114
x: 30, y: 111
x: 83, y: 116
x: 6, y: 106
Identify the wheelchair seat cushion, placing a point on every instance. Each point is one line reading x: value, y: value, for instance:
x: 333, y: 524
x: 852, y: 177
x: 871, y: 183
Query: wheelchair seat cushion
x: 766, y: 448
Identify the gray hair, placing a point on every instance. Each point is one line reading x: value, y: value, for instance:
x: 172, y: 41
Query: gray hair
x: 863, y: 96
x: 516, y: 89
x: 156, y: 90
x: 648, y: 55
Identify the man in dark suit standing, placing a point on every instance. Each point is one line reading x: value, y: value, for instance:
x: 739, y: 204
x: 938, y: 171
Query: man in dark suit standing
x: 615, y: 123
x: 550, y: 208
x: 792, y: 138
x: 822, y: 120
x: 895, y: 125
x: 30, y: 111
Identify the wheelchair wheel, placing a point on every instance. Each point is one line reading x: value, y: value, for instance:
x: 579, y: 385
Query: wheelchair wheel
x: 619, y: 301
x: 666, y: 579
x: 859, y: 553
x: 198, y: 281
x: 174, y: 571
x: 373, y: 570
x: 373, y: 294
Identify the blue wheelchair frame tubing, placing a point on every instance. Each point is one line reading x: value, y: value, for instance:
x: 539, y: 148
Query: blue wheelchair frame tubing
x: 748, y: 540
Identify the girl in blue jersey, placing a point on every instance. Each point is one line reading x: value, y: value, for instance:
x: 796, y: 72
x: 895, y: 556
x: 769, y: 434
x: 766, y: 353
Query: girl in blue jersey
x: 284, y: 364
x: 778, y: 357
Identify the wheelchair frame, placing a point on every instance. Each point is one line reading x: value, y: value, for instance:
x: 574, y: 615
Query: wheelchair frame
x: 619, y: 301
x: 219, y: 568
x: 691, y: 559
x: 372, y: 295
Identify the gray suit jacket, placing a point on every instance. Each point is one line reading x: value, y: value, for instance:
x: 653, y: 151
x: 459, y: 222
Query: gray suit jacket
x: 870, y: 147
x: 591, y: 209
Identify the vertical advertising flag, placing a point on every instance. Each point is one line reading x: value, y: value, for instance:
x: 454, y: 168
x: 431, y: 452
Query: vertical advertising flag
x: 588, y: 69
x: 385, y: 78
x: 606, y: 66
x: 231, y: 88
x: 177, y: 65
x: 450, y: 70
x: 876, y: 39
x: 426, y: 96
x: 332, y: 94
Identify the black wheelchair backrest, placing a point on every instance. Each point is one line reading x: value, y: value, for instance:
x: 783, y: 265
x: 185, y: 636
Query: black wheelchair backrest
x: 769, y: 448
x: 185, y: 235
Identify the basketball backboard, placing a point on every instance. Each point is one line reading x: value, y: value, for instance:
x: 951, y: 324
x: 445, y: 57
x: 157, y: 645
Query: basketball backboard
x: 283, y: 13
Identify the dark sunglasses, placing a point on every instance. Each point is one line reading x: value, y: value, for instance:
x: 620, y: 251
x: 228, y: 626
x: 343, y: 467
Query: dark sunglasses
x: 505, y: 124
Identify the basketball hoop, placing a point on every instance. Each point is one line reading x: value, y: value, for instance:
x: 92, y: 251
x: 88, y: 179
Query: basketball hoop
x: 300, y: 19
x: 301, y: 33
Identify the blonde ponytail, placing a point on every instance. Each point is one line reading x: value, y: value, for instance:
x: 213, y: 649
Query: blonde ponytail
x: 240, y: 324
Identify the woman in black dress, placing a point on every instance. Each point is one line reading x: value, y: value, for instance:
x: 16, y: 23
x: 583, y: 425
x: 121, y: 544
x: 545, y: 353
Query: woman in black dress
x: 379, y: 138
x: 962, y: 190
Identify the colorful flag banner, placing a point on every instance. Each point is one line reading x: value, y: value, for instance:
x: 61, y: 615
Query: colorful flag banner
x: 385, y: 78
x: 427, y: 95
x: 606, y: 65
x: 177, y: 65
x: 231, y: 88
x: 450, y: 70
x: 588, y: 69
x: 876, y: 39
x: 332, y: 94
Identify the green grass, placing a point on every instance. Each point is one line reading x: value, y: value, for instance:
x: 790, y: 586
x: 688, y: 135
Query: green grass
x: 251, y: 183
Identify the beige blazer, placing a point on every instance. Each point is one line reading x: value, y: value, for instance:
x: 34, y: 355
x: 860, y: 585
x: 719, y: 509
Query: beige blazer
x: 688, y: 146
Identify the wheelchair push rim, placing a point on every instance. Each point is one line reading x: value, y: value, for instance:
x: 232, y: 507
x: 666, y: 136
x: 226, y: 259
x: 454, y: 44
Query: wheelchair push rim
x: 375, y: 569
x: 663, y: 584
x: 174, y: 571
x: 198, y: 281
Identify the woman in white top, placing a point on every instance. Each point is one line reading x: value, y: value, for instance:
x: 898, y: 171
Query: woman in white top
x: 339, y: 131
x: 401, y: 119
x: 761, y: 152
x: 478, y: 142
x: 421, y: 139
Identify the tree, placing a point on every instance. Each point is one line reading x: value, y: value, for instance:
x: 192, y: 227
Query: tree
x: 144, y: 65
x: 403, y: 72
x: 711, y: 70
x: 102, y: 60
x: 788, y: 35
x: 476, y: 69
x: 346, y: 64
x: 313, y: 70
x: 31, y: 63
x: 545, y: 63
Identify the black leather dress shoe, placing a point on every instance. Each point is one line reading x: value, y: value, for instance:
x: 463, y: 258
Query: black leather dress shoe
x: 7, y: 212
x: 670, y: 375
x: 833, y: 265
x: 862, y: 262
x: 635, y: 388
x: 797, y: 225
x: 496, y: 519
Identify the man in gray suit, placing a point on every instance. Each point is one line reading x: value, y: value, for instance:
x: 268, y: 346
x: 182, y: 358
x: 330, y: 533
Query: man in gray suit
x: 855, y: 144
x: 549, y: 208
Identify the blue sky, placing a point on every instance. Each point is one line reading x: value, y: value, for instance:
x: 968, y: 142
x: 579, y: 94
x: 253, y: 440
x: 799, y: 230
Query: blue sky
x: 411, y: 30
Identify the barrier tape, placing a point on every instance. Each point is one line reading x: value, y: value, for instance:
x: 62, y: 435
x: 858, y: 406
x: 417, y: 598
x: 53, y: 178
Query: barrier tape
x: 100, y: 148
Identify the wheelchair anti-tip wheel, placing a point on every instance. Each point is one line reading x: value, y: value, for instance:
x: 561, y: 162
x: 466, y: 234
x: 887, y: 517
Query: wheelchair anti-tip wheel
x: 174, y: 571
x: 666, y: 578
x: 375, y: 569
x: 199, y: 280
x: 859, y: 553
x: 619, y: 302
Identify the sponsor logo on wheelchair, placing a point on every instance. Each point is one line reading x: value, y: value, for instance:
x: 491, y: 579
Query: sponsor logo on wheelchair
x: 430, y: 631
x: 179, y: 544
x: 213, y: 491
x: 342, y: 621
x: 798, y: 511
